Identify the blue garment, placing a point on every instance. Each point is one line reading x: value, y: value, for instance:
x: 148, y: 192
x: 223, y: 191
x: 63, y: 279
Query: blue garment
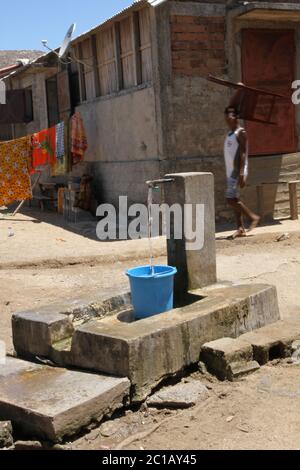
x: 60, y: 141
x: 232, y: 191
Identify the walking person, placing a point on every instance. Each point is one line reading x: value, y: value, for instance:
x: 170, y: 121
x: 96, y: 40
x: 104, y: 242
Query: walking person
x: 237, y: 163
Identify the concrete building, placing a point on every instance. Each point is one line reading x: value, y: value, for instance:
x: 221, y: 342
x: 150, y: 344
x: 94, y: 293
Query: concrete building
x: 9, y: 62
x: 139, y: 81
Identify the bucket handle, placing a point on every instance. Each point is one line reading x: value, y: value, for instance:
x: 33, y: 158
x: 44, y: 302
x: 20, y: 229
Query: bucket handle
x: 162, y: 274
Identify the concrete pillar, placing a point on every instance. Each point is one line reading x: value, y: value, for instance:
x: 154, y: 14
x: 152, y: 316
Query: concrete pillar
x: 196, y: 267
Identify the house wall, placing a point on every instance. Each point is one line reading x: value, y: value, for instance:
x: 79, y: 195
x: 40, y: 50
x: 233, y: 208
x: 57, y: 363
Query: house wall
x: 204, y: 39
x: 40, y: 117
x: 277, y: 167
x: 193, y: 35
x: 123, y: 150
x: 119, y: 106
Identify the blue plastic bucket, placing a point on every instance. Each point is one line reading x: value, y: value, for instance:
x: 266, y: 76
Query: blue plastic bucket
x: 152, y: 290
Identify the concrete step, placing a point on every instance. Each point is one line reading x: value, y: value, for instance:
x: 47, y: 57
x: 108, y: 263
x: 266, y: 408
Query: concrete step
x: 48, y: 403
x: 274, y: 341
x: 230, y: 358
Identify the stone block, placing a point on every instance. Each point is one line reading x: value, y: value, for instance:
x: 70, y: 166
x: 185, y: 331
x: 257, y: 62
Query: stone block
x: 47, y: 403
x: 237, y: 370
x: 182, y: 395
x: 220, y: 354
x: 35, y: 332
x: 274, y: 341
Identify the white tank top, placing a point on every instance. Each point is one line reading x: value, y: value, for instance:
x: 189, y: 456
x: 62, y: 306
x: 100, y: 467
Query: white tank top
x: 232, y: 155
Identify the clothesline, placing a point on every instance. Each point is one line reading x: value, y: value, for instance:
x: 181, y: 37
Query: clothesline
x: 59, y: 147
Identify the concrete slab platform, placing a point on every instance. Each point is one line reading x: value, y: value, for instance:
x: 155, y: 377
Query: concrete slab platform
x: 49, y: 403
x: 149, y: 350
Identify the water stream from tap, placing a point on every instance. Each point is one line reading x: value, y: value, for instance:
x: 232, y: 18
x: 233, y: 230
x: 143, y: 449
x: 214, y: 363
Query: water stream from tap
x: 150, y: 222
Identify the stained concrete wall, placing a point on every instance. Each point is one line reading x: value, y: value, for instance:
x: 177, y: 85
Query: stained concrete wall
x: 123, y: 143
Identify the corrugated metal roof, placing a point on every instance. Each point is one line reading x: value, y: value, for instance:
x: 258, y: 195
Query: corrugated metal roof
x: 120, y: 13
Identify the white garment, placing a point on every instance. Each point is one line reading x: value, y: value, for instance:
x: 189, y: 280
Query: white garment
x: 232, y: 155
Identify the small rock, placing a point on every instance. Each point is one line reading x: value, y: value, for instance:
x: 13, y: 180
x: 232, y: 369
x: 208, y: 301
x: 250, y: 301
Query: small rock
x: 229, y: 419
x: 182, y: 395
x: 28, y: 445
x: 283, y: 237
x: 109, y: 428
x: 6, y: 439
x: 202, y: 368
x: 59, y: 447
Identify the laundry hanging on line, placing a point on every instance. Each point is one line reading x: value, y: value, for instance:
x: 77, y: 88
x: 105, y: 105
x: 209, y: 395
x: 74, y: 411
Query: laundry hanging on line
x: 15, y: 156
x: 79, y: 143
x: 59, y: 147
x: 62, y: 163
x: 43, y: 148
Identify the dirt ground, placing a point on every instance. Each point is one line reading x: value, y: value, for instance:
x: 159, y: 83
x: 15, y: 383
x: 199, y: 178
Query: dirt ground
x: 45, y: 261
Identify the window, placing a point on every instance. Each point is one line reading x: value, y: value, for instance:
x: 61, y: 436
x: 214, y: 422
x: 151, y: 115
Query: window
x: 28, y: 105
x: 127, y: 53
x: 88, y: 68
x: 107, y: 62
x: 118, y: 57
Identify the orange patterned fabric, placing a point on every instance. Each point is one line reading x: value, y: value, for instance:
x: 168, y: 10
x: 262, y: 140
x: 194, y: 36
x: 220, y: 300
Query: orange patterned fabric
x: 14, y: 171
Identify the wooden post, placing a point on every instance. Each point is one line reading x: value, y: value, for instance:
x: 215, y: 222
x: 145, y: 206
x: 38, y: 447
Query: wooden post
x: 293, y: 200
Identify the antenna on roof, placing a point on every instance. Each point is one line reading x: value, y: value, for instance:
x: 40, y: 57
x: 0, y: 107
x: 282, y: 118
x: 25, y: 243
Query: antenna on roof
x: 67, y: 42
x: 64, y: 49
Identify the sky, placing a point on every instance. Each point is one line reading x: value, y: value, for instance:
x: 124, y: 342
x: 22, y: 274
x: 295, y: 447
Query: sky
x: 25, y: 23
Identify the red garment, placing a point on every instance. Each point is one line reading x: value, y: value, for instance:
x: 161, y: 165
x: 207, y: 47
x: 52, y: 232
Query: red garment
x: 78, y: 139
x: 44, y: 148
